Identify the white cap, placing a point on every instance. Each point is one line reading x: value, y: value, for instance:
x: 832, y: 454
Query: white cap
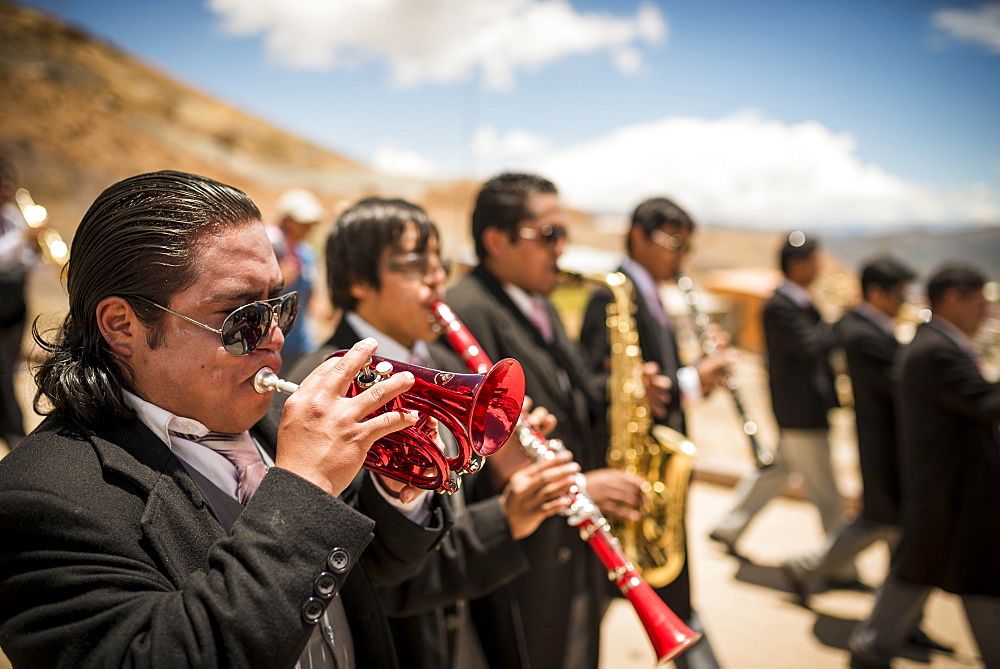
x: 300, y: 205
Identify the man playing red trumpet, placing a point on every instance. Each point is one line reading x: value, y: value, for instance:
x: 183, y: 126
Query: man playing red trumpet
x: 125, y: 538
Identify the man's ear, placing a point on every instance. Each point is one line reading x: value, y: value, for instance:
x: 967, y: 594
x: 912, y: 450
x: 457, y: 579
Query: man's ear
x: 361, y: 290
x: 495, y: 241
x: 118, y: 325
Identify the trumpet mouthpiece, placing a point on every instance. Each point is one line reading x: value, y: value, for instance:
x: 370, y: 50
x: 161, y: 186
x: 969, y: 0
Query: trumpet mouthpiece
x: 265, y: 381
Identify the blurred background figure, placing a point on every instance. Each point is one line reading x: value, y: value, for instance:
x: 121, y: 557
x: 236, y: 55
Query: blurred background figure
x: 798, y: 343
x: 18, y: 253
x: 867, y: 335
x: 949, y: 427
x: 298, y: 211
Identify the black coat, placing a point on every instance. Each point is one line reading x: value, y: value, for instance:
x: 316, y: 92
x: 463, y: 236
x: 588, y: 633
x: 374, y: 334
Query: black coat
x: 110, y: 556
x: 658, y: 345
x: 798, y: 348
x: 870, y: 352
x: 477, y: 556
x: 948, y: 417
x: 528, y: 623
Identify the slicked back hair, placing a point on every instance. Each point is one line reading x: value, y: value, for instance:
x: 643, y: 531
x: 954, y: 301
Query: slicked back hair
x: 140, y: 238
x: 360, y: 236
x: 502, y: 203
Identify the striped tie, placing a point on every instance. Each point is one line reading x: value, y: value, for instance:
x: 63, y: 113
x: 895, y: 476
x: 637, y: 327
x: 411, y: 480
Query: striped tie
x: 238, y: 449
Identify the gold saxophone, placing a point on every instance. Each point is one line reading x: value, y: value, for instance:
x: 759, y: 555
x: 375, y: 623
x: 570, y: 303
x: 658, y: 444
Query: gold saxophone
x: 656, y: 453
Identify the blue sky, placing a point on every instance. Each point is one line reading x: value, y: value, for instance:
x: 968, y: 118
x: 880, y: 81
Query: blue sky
x: 758, y: 114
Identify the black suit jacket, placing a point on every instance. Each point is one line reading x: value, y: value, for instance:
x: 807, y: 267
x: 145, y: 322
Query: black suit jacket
x: 529, y: 623
x: 477, y: 556
x: 798, y: 348
x: 948, y: 416
x: 658, y: 345
x: 870, y: 353
x: 110, y: 556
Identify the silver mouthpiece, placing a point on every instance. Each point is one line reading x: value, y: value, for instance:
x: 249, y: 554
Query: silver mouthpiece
x: 266, y: 380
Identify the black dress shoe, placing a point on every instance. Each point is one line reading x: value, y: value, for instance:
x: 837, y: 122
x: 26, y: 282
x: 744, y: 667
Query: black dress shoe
x: 862, y: 663
x: 730, y: 544
x: 921, y: 640
x: 848, y: 584
x: 799, y: 586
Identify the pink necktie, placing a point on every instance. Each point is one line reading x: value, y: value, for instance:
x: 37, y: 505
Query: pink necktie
x: 250, y: 468
x: 540, y: 318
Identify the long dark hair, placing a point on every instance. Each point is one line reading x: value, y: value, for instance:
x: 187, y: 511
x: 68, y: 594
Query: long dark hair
x: 138, y: 239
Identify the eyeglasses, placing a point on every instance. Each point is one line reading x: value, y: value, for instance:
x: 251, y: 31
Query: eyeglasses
x: 247, y: 327
x: 547, y: 234
x: 424, y: 267
x: 674, y: 243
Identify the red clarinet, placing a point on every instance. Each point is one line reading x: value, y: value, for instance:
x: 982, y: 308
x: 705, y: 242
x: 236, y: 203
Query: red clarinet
x: 668, y: 633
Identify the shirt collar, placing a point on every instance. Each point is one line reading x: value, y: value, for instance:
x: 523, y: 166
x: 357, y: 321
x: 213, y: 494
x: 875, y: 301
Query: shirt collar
x: 387, y: 346
x: 796, y: 293
x: 951, y: 330
x: 161, y: 421
x: 521, y: 298
x: 877, y: 316
x: 641, y: 278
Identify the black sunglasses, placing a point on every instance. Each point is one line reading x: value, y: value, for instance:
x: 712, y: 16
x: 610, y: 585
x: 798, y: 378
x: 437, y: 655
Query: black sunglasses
x: 547, y: 234
x: 246, y: 327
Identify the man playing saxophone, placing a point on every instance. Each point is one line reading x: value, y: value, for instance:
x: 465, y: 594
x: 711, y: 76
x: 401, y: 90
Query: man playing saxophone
x: 657, y: 242
x: 554, y: 610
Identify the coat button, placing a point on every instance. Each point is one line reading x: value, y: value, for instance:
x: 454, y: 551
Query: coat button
x: 312, y: 610
x: 325, y: 585
x: 563, y: 554
x: 338, y: 560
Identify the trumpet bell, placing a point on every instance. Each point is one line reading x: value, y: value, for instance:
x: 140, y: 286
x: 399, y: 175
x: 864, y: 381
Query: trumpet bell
x: 480, y: 410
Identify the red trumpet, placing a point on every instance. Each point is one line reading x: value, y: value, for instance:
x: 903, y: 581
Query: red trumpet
x: 480, y: 410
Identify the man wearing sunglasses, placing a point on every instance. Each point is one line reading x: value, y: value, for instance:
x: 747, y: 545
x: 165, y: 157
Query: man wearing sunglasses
x: 143, y: 523
x: 657, y: 242
x: 385, y: 271
x: 554, y: 611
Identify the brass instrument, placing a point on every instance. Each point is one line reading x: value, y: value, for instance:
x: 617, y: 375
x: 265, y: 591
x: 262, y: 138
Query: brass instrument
x: 480, y: 410
x: 50, y: 242
x: 762, y: 457
x: 668, y: 633
x: 656, y: 453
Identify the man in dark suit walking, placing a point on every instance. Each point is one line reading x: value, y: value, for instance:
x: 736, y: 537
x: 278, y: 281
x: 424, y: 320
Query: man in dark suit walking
x: 156, y: 517
x: 950, y: 453
x: 551, y: 615
x: 384, y: 270
x: 867, y: 335
x: 657, y: 242
x: 802, y: 392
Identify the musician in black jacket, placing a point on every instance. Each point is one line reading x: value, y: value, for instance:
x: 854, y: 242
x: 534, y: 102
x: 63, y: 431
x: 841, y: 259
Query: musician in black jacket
x: 800, y: 378
x: 657, y: 242
x: 867, y: 335
x: 384, y: 270
x: 549, y: 617
x: 126, y: 538
x: 950, y: 452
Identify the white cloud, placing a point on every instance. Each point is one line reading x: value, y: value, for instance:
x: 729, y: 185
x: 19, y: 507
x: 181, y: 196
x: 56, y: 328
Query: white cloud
x: 440, y: 41
x: 980, y: 25
x: 494, y: 152
x: 741, y: 170
x: 389, y: 158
